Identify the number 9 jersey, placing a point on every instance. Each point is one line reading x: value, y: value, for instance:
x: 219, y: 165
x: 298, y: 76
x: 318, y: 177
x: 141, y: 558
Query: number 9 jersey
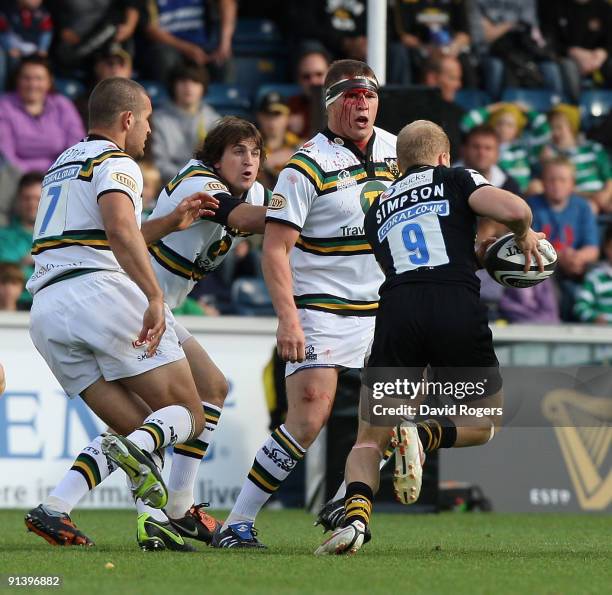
x: 422, y: 229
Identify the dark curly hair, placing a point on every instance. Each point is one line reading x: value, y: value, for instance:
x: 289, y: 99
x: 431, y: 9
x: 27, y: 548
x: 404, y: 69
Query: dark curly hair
x: 229, y: 131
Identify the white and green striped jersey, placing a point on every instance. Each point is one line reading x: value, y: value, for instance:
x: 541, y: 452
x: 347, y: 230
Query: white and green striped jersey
x: 592, y: 165
x: 324, y: 192
x: 69, y: 237
x: 595, y: 296
x: 518, y: 157
x: 182, y: 258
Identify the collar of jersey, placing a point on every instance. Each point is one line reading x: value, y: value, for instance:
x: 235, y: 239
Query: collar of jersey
x: 352, y: 147
x: 412, y: 169
x: 101, y: 137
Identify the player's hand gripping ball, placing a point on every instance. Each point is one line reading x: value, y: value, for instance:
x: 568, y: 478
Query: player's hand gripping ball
x: 505, y: 263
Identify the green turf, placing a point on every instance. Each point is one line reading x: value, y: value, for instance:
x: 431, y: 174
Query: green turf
x: 448, y: 553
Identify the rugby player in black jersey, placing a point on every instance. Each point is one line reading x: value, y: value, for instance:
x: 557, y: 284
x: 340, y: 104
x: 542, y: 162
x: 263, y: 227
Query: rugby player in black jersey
x: 422, y: 232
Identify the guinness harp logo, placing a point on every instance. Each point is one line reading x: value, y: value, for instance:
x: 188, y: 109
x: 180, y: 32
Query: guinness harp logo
x: 582, y: 425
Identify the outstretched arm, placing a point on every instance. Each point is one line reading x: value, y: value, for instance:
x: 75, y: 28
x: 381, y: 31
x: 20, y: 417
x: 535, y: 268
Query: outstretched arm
x: 249, y: 218
x: 190, y: 209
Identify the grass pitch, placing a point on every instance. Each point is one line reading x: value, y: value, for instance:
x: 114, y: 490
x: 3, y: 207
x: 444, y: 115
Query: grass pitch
x: 446, y: 553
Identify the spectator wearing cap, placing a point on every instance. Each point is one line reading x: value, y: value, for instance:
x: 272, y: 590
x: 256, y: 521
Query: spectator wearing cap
x: 36, y: 124
x: 311, y: 69
x: 180, y: 126
x: 25, y: 29
x: 12, y: 283
x: 590, y: 160
x: 16, y: 238
x: 279, y: 142
x: 112, y: 60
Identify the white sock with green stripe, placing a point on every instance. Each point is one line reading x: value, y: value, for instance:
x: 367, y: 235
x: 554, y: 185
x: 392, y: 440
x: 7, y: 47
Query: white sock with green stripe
x: 185, y: 464
x: 273, y: 463
x: 89, y: 469
x: 168, y: 425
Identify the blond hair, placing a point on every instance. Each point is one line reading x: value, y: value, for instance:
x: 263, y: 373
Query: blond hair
x: 559, y: 160
x: 420, y: 143
x: 570, y: 112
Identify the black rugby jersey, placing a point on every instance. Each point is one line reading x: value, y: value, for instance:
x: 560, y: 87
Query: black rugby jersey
x: 422, y: 229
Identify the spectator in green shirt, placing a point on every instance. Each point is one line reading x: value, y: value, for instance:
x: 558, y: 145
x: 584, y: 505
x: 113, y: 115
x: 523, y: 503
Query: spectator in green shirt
x: 521, y: 132
x: 16, y: 238
x: 594, y: 303
x: 591, y: 161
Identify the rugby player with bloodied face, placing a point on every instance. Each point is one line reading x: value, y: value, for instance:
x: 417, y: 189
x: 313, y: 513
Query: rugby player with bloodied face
x: 352, y: 105
x: 321, y: 274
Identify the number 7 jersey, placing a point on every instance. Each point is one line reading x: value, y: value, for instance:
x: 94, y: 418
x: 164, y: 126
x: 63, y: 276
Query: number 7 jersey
x: 69, y: 236
x: 422, y: 229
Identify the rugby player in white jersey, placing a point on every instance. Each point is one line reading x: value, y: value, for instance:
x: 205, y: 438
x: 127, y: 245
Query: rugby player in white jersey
x: 321, y: 275
x: 98, y: 316
x: 225, y: 168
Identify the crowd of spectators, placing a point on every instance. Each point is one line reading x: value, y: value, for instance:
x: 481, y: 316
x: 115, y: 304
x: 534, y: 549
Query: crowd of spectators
x: 183, y: 46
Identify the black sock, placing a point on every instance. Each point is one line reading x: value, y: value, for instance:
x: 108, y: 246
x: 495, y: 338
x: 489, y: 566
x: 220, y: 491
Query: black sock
x: 438, y: 432
x: 358, y: 502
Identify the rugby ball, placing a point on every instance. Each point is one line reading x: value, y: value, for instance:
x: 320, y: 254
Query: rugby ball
x: 505, y: 262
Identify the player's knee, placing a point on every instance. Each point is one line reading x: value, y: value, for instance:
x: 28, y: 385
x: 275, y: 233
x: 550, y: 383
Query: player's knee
x: 307, y: 430
x: 215, y: 392
x: 315, y: 394
x: 199, y: 421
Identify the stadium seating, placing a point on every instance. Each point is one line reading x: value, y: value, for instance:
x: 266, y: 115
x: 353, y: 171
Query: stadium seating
x: 470, y: 99
x: 156, y: 91
x: 594, y: 105
x: 285, y: 90
x: 250, y: 297
x: 71, y: 88
x: 253, y: 71
x: 257, y: 37
x: 232, y: 100
x: 541, y: 100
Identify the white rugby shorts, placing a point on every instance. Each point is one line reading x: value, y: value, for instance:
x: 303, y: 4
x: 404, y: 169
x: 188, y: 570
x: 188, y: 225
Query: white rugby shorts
x: 334, y: 341
x: 182, y: 334
x: 86, y: 328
